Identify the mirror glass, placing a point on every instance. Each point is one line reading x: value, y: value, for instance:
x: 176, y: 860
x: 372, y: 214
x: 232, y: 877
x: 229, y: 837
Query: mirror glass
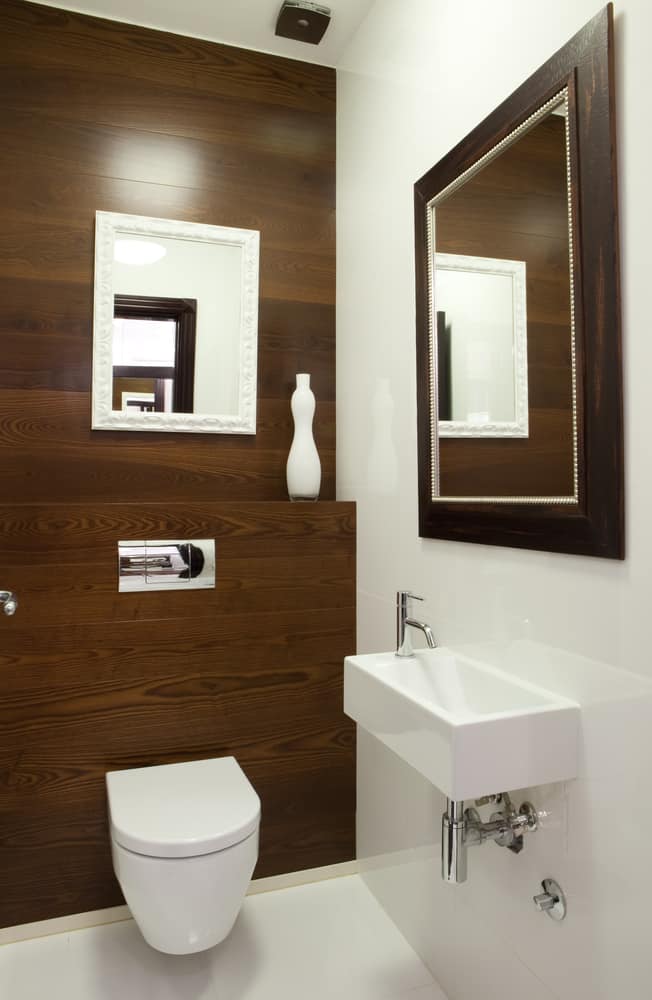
x: 175, y: 326
x: 503, y: 351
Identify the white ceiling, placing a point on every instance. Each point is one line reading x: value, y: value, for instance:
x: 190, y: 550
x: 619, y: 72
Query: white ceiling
x: 248, y: 23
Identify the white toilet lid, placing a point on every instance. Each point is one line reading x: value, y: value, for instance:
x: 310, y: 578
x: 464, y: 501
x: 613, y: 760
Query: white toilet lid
x: 182, y: 810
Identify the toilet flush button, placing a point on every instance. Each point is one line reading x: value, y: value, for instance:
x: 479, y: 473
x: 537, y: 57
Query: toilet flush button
x: 166, y: 564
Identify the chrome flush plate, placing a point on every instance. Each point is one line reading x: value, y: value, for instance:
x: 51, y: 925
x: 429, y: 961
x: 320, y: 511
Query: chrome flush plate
x: 172, y: 564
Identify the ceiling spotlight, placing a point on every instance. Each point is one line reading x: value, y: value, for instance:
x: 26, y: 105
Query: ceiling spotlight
x: 137, y: 252
x: 303, y: 21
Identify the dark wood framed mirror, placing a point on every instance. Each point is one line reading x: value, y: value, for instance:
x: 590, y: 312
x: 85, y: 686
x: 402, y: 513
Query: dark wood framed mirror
x: 516, y: 238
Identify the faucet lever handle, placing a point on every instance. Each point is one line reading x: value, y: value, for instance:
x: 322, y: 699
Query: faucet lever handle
x: 406, y: 595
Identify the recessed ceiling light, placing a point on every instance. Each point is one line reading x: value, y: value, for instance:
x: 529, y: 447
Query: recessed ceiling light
x: 138, y: 252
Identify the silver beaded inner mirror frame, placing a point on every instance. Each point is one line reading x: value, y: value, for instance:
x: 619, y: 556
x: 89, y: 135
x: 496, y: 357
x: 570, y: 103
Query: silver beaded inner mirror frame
x: 518, y: 427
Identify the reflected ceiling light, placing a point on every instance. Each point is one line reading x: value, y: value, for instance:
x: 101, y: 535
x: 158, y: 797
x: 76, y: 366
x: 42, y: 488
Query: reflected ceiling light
x: 138, y: 252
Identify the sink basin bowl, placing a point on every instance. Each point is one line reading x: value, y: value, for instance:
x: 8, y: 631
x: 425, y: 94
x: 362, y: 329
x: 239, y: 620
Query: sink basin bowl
x: 469, y: 728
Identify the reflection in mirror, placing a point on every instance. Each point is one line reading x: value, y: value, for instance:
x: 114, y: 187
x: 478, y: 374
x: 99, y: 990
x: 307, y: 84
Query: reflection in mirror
x: 175, y: 326
x: 154, y: 354
x: 501, y: 293
x: 481, y: 346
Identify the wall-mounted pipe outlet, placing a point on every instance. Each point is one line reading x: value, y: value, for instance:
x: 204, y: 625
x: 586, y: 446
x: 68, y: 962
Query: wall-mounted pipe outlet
x: 8, y: 602
x: 463, y: 828
x: 552, y: 900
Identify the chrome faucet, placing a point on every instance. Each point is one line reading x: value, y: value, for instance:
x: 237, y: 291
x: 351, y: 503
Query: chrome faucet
x: 403, y: 620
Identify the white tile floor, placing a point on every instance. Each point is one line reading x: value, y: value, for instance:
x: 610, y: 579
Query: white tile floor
x: 324, y: 941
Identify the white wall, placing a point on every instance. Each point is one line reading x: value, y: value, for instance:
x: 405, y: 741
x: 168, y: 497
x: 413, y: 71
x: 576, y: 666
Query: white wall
x: 417, y: 77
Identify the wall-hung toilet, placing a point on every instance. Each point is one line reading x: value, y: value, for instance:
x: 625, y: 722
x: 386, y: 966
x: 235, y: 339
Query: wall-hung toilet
x: 184, y: 840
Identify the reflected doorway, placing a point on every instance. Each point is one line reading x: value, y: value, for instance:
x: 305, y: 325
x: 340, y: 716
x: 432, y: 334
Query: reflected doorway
x: 153, y: 354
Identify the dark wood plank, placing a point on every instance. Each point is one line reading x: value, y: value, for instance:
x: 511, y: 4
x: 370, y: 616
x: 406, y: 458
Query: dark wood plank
x: 172, y: 109
x: 141, y: 55
x: 85, y: 655
x: 48, y: 450
x: 104, y: 116
x: 517, y: 467
x: 166, y: 160
x: 64, y: 562
x: 86, y: 591
x: 293, y: 221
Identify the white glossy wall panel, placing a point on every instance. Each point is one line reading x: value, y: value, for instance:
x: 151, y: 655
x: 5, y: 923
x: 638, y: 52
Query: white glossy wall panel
x: 416, y: 78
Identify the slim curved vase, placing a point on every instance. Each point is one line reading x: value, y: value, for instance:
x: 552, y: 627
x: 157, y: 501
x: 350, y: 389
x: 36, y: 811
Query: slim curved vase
x: 303, y: 467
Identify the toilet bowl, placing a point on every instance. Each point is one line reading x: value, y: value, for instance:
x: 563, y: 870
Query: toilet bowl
x: 184, y: 841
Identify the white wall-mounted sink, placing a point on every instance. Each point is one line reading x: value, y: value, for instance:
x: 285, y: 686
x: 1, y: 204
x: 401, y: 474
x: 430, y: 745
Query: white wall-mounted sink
x: 468, y: 727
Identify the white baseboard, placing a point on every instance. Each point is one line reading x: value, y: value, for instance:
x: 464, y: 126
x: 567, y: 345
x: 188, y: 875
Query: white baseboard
x: 95, y: 918
x: 62, y: 925
x: 290, y: 879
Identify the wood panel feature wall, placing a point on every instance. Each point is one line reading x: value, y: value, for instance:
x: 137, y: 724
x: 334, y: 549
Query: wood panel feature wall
x: 99, y: 115
x: 92, y: 680
x: 516, y: 208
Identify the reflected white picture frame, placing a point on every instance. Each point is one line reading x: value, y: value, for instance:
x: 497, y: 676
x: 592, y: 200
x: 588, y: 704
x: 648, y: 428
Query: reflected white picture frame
x: 104, y: 417
x: 516, y: 271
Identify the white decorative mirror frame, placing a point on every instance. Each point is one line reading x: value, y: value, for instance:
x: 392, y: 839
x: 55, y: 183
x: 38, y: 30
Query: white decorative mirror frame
x: 516, y: 271
x: 104, y: 417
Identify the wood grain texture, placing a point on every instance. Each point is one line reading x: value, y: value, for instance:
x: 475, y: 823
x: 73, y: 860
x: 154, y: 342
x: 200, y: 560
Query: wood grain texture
x: 99, y: 115
x: 93, y: 680
x: 516, y: 208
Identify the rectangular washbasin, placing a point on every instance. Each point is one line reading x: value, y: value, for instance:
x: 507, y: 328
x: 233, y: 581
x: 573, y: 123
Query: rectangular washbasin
x: 469, y: 728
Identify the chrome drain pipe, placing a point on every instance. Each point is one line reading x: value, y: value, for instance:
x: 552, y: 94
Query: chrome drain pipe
x: 453, y: 845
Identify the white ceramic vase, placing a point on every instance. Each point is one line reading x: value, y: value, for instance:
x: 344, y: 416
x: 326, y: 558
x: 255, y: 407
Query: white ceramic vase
x: 303, y: 467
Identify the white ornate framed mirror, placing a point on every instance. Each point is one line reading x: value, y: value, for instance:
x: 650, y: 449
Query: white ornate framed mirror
x: 175, y: 326
x: 482, y: 346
